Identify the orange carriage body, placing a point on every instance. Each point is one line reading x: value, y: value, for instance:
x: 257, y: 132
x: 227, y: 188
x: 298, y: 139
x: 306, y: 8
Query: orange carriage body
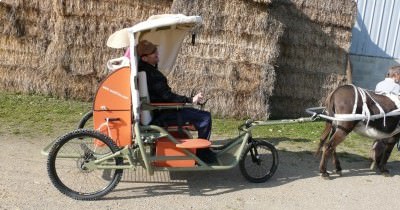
x: 112, y: 107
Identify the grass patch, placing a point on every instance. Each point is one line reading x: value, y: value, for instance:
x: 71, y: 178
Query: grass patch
x: 33, y: 115
x: 38, y: 116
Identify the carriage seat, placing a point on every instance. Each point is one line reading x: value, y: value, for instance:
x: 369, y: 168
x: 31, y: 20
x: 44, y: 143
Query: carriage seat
x: 181, y: 132
x: 146, y: 116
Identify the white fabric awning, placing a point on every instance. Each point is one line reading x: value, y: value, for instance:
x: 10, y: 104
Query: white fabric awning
x: 166, y: 31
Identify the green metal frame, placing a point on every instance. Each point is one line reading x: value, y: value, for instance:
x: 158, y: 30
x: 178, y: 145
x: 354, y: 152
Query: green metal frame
x: 232, y: 150
x: 237, y: 144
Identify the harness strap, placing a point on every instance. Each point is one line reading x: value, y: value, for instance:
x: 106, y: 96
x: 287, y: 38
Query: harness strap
x: 355, y: 99
x: 347, y: 131
x: 365, y: 110
x: 381, y: 111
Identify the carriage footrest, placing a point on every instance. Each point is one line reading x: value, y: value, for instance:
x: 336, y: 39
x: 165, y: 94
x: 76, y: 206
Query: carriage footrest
x: 194, y: 143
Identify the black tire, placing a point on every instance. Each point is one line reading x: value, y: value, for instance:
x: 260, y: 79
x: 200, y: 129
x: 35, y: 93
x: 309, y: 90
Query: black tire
x: 259, y: 161
x: 68, y: 174
x: 85, y: 119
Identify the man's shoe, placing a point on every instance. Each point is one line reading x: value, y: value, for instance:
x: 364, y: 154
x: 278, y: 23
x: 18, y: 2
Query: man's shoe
x: 207, y: 156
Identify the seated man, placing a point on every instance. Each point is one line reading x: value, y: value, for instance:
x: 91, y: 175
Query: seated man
x: 159, y: 91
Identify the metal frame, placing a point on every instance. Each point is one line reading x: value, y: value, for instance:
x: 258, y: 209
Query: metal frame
x: 317, y: 112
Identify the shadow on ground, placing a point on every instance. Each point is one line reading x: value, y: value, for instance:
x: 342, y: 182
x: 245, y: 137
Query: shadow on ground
x: 293, y: 166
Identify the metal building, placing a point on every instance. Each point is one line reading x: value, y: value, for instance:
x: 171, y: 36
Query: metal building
x: 375, y: 42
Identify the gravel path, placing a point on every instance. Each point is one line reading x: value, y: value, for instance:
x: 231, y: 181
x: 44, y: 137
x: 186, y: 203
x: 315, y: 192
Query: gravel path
x: 24, y: 184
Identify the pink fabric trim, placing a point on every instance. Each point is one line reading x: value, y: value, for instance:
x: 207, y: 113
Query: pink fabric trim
x: 128, y: 53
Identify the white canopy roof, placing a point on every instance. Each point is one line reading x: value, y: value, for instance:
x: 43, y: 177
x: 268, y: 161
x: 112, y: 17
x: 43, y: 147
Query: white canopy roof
x: 167, y: 31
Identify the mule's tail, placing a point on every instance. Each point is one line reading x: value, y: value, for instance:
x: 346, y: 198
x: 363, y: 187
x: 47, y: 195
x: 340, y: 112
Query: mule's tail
x: 329, y: 105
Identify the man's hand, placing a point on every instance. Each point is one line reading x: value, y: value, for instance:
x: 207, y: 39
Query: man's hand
x: 198, y: 98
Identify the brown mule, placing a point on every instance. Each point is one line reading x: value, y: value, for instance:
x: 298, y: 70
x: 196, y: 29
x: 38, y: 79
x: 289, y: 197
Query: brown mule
x: 342, y: 101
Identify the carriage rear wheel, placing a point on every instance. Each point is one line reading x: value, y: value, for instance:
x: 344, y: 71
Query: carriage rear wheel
x: 69, y: 169
x: 259, y: 161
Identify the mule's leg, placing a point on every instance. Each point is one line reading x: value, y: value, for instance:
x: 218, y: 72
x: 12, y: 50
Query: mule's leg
x: 378, y: 148
x: 336, y: 163
x: 328, y: 130
x: 389, y: 144
x: 329, y: 147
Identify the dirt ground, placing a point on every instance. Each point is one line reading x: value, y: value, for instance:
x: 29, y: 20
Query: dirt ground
x: 24, y: 184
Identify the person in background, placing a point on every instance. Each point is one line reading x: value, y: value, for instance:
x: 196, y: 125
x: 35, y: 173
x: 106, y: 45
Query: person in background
x: 391, y: 83
x: 159, y: 91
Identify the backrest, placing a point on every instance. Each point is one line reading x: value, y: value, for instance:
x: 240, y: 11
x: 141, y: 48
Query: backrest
x: 117, y: 63
x: 145, y: 115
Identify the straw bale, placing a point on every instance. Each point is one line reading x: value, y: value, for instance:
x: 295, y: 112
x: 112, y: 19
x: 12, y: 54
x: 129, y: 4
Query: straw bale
x: 263, y: 1
x: 58, y: 47
x: 259, y: 58
x: 41, y: 5
x: 233, y: 59
x: 314, y: 49
x: 292, y: 49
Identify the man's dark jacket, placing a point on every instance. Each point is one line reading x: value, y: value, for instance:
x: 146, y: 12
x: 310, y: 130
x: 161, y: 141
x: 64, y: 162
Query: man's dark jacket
x: 157, y: 84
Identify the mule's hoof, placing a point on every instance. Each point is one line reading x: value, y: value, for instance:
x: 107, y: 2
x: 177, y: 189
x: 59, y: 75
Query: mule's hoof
x: 386, y: 173
x: 325, y: 175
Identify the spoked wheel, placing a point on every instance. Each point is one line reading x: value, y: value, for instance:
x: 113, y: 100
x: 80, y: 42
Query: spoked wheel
x: 259, y: 161
x: 86, y: 120
x: 70, y: 165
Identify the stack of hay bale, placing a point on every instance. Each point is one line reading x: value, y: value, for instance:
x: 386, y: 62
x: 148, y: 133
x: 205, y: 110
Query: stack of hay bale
x: 259, y: 59
x: 58, y: 47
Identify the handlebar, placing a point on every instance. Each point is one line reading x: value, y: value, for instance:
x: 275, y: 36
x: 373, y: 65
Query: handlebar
x: 247, y: 124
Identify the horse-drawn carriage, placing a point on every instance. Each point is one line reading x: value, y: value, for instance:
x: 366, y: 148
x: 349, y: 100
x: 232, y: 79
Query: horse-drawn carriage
x: 124, y: 138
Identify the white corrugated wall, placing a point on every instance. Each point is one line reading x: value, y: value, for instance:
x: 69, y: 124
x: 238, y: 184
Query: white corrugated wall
x: 376, y: 41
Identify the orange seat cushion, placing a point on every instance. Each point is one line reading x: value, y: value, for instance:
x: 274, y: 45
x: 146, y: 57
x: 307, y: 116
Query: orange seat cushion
x: 194, y: 143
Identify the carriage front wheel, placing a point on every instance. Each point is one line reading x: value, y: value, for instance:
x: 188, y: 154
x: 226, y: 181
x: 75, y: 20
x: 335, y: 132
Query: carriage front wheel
x: 259, y: 161
x: 68, y: 165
